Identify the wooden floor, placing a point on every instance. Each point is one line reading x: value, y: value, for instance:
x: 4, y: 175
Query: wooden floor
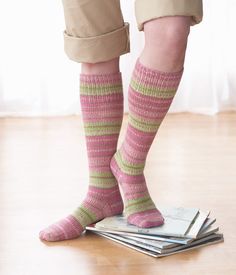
x: 43, y: 174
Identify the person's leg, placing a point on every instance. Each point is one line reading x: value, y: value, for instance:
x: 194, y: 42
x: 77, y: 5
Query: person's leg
x: 97, y: 44
x: 165, y: 43
x: 154, y: 82
x: 106, y: 67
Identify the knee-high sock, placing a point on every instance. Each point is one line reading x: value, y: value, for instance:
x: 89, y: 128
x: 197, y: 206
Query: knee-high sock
x: 150, y: 95
x: 101, y: 99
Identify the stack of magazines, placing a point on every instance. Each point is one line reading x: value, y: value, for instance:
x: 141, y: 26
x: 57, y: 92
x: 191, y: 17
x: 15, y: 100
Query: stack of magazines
x: 184, y: 229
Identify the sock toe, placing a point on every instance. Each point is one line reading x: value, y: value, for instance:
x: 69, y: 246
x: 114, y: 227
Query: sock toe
x: 65, y: 229
x: 52, y: 234
x: 146, y: 219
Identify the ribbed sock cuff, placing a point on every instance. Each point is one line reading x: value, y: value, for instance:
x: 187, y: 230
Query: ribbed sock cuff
x: 153, y: 82
x: 100, y: 84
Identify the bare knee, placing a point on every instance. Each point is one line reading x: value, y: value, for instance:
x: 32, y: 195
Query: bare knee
x: 171, y: 32
x: 167, y: 37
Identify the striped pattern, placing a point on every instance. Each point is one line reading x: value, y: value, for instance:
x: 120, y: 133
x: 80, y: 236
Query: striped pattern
x: 102, y: 117
x: 150, y: 95
x: 101, y: 98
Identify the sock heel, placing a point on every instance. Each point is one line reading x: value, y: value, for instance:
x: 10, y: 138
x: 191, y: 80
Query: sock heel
x: 114, y: 207
x: 115, y: 169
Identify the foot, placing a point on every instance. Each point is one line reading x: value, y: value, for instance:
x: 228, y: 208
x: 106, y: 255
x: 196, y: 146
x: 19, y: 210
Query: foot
x: 98, y: 204
x: 140, y: 210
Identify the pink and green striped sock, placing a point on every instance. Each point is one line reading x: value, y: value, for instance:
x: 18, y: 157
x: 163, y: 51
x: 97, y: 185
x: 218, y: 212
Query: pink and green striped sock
x: 150, y: 95
x: 101, y: 98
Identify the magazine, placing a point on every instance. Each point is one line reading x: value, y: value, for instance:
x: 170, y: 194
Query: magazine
x: 184, y: 229
x: 208, y: 222
x: 197, y: 224
x: 140, y: 235
x: 179, y: 222
x: 165, y: 245
x: 164, y: 239
x: 155, y: 252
